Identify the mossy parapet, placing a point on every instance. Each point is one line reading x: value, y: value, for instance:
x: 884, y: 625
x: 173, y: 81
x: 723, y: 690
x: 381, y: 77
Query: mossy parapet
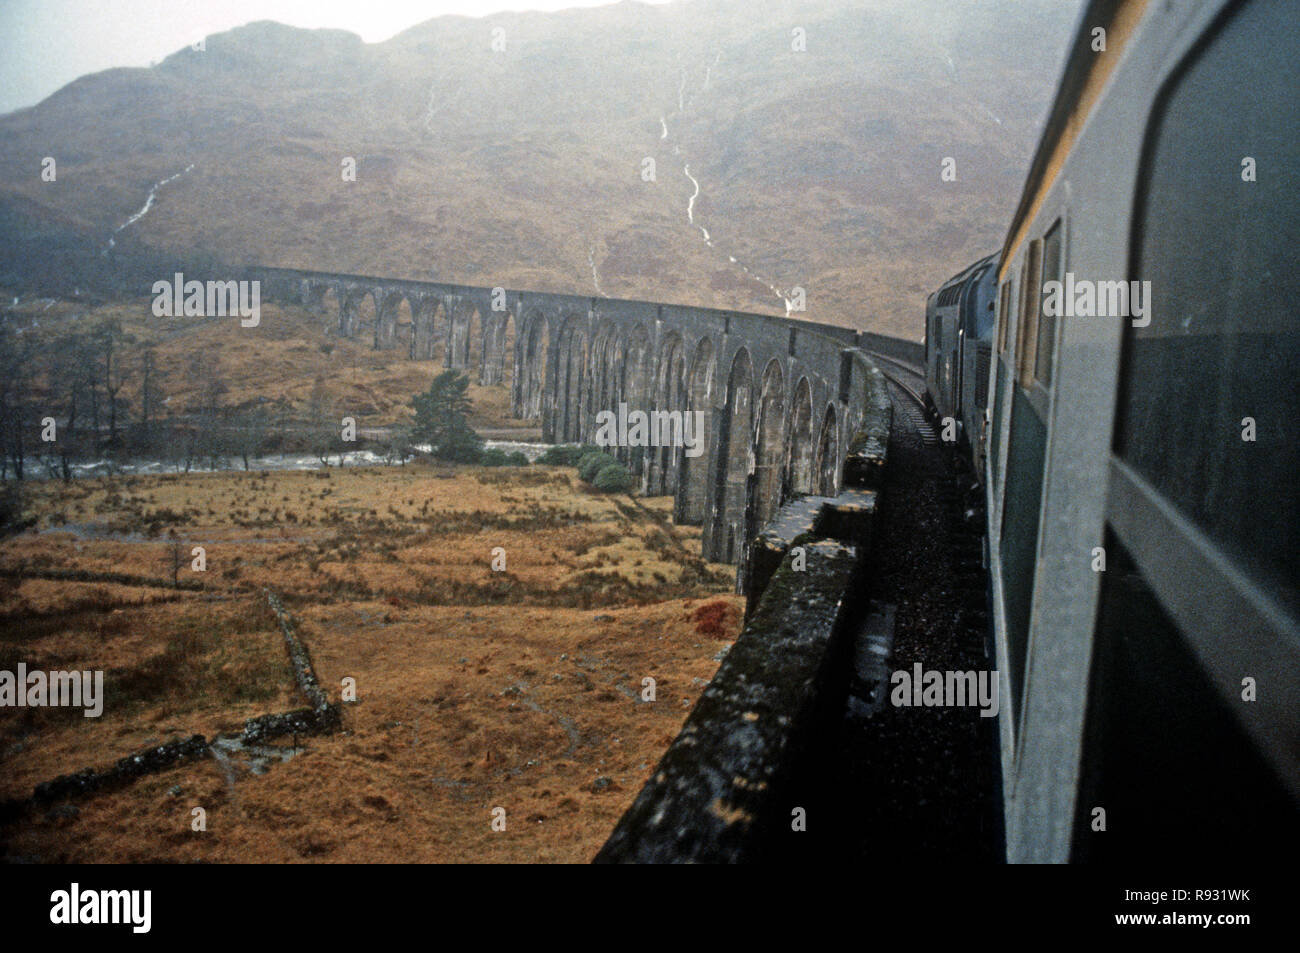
x: 795, y: 523
x: 868, y: 451
x: 849, y: 517
x: 718, y: 791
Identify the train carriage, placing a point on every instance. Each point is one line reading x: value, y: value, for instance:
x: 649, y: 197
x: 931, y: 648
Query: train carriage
x: 1143, y: 470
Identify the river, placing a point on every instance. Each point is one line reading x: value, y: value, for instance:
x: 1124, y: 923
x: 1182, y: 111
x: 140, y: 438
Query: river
x: 275, y: 461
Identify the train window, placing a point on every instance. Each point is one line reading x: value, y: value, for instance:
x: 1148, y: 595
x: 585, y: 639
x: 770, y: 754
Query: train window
x: 1009, y: 316
x: 1030, y: 305
x: 1047, y: 323
x: 1210, y: 390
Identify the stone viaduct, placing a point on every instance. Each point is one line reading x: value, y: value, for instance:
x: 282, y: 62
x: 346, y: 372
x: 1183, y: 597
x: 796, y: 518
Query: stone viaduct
x: 781, y: 398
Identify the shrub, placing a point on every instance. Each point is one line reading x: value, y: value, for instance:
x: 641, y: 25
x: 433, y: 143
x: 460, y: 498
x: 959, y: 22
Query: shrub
x: 711, y: 620
x: 493, y: 458
x: 563, y: 455
x: 463, y: 446
x: 612, y: 478
x: 11, y: 509
x: 592, y: 463
x: 516, y: 458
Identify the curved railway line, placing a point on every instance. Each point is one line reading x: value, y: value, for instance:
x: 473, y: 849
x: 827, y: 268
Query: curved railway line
x: 912, y: 403
x: 924, y: 782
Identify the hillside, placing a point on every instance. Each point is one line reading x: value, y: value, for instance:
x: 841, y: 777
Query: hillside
x: 523, y: 167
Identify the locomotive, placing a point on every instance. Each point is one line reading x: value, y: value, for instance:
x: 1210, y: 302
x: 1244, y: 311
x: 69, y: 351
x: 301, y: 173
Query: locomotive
x: 959, y: 320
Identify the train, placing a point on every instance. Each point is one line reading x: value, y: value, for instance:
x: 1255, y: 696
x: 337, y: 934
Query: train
x: 1123, y: 375
x: 959, y: 318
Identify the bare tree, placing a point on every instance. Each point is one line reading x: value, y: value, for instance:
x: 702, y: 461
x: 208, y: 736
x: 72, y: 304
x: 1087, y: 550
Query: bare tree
x: 111, y: 341
x: 72, y: 377
x: 251, y: 425
x: 397, y: 444
x: 206, y: 438
x: 322, y: 427
x: 175, y: 559
x: 151, y: 395
x: 16, y: 352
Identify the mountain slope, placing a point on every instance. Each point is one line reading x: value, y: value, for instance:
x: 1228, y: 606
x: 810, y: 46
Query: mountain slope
x: 523, y: 167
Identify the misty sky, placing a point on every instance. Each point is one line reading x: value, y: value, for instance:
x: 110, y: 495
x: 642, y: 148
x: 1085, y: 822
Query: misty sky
x: 45, y: 44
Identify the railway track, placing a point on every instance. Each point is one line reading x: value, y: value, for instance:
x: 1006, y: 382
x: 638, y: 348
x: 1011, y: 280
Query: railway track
x: 912, y: 369
x: 912, y: 403
x: 923, y: 781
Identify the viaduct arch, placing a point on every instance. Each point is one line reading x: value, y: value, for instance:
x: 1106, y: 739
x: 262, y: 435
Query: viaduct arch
x: 779, y: 399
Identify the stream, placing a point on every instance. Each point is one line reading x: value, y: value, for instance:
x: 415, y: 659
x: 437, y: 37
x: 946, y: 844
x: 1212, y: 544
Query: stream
x: 148, y: 204
x: 682, y: 105
x: 272, y: 462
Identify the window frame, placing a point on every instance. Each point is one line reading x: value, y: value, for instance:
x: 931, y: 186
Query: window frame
x: 1004, y: 314
x: 1046, y: 360
x: 1006, y: 337
x: 1030, y: 303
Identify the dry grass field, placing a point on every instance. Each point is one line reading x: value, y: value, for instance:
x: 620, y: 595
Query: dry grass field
x: 476, y: 689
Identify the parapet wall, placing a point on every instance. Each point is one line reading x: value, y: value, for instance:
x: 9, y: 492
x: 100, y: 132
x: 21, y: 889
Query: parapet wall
x: 718, y: 794
x: 722, y: 793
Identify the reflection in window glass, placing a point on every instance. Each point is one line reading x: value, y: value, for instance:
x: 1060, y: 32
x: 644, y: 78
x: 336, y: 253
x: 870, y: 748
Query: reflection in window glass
x: 1223, y: 343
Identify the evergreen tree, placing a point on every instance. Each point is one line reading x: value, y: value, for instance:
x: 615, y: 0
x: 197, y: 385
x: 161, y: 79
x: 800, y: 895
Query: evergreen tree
x: 440, y: 419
